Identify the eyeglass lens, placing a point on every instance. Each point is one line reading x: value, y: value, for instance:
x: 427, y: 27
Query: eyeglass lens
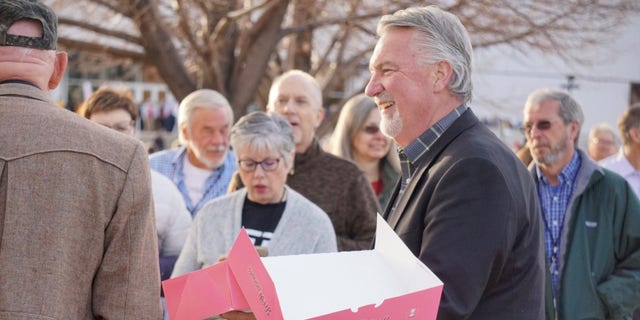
x: 540, y: 125
x: 120, y: 126
x: 266, y: 164
x: 371, y: 129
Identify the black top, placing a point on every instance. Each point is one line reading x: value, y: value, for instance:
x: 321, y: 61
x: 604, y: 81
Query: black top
x: 261, y: 220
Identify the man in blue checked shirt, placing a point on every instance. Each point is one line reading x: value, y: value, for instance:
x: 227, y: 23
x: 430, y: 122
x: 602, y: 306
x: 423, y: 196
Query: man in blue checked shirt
x: 591, y: 217
x: 202, y: 167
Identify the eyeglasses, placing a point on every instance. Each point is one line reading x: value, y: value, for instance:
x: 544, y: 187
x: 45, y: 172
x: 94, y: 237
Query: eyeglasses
x: 603, y: 142
x: 123, y: 126
x: 266, y: 164
x: 371, y: 129
x: 540, y: 125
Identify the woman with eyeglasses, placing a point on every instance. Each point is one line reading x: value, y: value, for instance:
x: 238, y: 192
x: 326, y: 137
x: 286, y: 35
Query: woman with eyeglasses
x: 357, y: 137
x: 275, y: 216
x: 116, y: 110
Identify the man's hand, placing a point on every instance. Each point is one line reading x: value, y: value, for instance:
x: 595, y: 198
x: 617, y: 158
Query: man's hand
x: 238, y: 315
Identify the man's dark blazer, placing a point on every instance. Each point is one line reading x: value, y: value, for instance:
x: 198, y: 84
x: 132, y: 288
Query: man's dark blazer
x: 471, y: 214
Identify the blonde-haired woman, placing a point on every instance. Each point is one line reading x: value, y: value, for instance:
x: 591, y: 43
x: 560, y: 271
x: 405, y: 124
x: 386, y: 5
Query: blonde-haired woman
x: 357, y: 137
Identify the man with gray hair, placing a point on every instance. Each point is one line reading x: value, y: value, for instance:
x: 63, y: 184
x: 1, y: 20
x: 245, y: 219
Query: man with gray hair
x: 602, y: 142
x: 591, y: 217
x: 77, y: 232
x: 466, y: 205
x: 203, y: 166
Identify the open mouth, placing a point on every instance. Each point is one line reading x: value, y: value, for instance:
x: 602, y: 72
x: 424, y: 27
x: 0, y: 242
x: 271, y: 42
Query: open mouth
x: 385, y: 105
x: 294, y: 123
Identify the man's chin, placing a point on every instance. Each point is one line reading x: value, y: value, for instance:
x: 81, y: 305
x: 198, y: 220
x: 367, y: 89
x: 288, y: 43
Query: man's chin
x: 391, y: 130
x: 213, y: 163
x: 297, y: 139
x: 297, y: 135
x: 546, y: 159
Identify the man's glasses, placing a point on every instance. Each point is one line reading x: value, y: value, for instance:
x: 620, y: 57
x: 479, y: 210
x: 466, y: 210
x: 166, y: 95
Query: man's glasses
x: 603, y: 142
x: 540, y: 125
x: 266, y: 164
x: 371, y: 129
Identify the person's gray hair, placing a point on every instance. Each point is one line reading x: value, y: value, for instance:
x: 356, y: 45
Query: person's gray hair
x: 569, y: 110
x: 261, y: 131
x: 440, y: 37
x: 202, y: 98
x: 606, y: 128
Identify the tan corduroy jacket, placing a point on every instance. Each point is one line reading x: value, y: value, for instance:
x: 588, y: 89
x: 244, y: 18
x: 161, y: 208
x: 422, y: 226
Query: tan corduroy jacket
x: 77, y: 230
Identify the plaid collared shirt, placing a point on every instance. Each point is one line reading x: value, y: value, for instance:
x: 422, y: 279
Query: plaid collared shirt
x: 171, y: 162
x: 410, y: 155
x: 554, y: 201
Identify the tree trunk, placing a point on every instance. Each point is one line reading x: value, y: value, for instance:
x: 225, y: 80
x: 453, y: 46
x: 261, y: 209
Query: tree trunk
x: 159, y: 49
x: 256, y: 48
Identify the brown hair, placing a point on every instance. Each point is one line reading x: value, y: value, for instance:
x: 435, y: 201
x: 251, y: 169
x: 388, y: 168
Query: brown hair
x: 630, y: 119
x: 108, y: 99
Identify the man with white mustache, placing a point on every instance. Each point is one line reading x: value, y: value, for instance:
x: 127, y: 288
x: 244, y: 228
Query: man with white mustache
x: 203, y: 166
x: 466, y: 206
x: 591, y: 217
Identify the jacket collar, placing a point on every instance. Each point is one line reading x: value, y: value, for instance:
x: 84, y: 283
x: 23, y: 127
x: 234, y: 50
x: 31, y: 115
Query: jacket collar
x: 465, y: 121
x: 588, y: 173
x: 311, y: 153
x: 25, y: 90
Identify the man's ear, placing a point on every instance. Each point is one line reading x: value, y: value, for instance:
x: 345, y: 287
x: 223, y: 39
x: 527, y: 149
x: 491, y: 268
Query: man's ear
x: 574, y: 130
x: 634, y: 134
x: 319, y: 117
x: 184, y: 131
x: 59, y: 66
x: 443, y: 74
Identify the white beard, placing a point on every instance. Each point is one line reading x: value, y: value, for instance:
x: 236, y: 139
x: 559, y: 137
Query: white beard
x: 391, y: 126
x: 209, y: 163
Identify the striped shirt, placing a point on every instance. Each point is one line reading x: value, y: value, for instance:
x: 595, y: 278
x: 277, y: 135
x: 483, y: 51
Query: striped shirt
x: 554, y: 201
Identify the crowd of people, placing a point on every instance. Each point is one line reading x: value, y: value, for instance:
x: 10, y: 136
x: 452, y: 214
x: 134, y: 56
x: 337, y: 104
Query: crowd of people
x: 552, y: 232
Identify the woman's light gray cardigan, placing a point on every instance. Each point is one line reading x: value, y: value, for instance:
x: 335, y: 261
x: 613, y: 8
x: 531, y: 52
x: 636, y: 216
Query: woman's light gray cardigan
x: 303, y: 228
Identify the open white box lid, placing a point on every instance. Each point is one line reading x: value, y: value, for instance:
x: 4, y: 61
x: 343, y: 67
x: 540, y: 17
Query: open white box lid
x: 388, y: 282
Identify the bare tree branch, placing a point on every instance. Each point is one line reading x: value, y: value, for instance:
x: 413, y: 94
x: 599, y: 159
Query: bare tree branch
x: 159, y: 49
x: 103, y: 31
x: 109, y: 5
x: 238, y: 46
x: 263, y: 35
x: 101, y: 49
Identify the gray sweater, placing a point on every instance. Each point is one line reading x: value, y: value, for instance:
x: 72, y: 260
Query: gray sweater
x: 338, y: 187
x: 303, y: 228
